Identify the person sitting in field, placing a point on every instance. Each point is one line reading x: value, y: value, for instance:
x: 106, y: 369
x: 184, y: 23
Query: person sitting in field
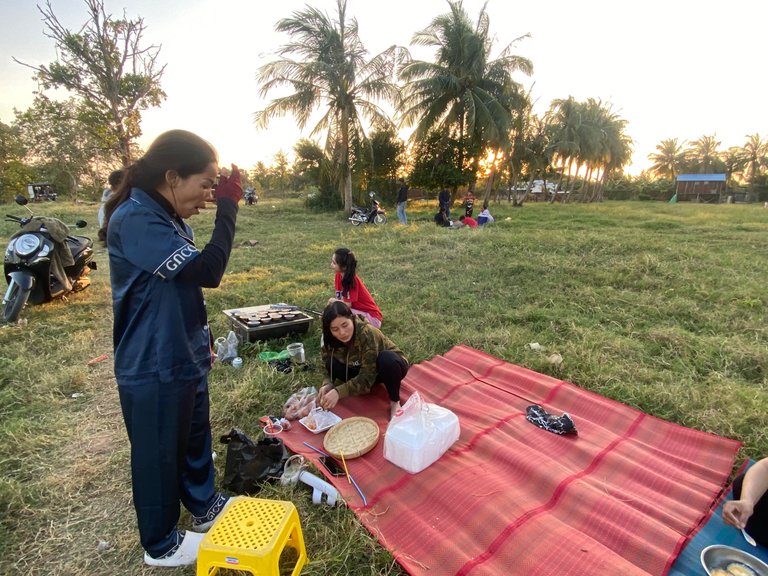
x: 468, y: 221
x: 749, y: 508
x: 357, y: 356
x: 441, y: 219
x: 485, y: 216
x: 350, y: 288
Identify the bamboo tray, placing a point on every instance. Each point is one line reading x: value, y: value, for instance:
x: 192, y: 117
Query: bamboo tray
x: 352, y: 436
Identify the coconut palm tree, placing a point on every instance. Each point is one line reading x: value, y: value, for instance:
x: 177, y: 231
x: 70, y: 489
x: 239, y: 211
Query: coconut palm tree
x: 325, y: 63
x: 704, y: 153
x: 754, y: 157
x: 463, y: 95
x: 564, y: 120
x: 668, y: 159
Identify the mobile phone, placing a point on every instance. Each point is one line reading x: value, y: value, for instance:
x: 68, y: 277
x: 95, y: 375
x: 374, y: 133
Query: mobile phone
x: 332, y: 466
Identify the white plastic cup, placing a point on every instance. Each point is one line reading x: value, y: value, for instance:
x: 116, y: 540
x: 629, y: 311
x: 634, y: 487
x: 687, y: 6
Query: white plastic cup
x: 296, y: 350
x: 237, y: 362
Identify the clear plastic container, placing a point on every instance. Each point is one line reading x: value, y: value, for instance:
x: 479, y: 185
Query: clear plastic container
x: 419, y: 434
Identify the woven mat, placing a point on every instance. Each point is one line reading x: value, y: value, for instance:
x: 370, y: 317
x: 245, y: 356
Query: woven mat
x: 621, y: 498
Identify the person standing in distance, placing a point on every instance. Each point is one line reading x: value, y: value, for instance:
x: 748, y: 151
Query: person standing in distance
x: 402, y: 200
x: 444, y: 201
x: 114, y: 181
x: 161, y: 337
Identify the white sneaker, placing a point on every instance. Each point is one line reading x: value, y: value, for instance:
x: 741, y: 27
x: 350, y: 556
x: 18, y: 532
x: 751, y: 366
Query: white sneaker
x: 182, y: 555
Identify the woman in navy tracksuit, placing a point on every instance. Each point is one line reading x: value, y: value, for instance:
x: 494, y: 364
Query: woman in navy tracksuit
x: 161, y: 337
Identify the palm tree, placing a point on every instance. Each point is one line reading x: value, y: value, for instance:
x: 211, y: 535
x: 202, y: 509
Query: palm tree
x: 704, y: 153
x: 332, y: 69
x: 669, y: 158
x: 463, y: 95
x: 590, y: 135
x: 754, y: 157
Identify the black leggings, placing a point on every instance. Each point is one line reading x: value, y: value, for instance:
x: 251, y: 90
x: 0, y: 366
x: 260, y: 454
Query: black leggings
x: 757, y: 525
x: 390, y: 371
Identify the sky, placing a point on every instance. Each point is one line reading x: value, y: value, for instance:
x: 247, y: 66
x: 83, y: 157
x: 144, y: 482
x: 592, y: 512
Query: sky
x: 671, y: 68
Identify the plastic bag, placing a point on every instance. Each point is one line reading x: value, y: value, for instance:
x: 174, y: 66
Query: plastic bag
x: 249, y: 464
x: 300, y: 404
x: 226, y: 348
x: 419, y: 434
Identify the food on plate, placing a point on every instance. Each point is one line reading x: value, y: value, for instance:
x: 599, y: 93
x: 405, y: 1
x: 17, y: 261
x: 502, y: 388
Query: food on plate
x: 739, y: 569
x: 719, y: 572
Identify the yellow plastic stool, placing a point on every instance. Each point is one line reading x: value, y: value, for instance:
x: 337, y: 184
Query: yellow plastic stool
x: 251, y: 536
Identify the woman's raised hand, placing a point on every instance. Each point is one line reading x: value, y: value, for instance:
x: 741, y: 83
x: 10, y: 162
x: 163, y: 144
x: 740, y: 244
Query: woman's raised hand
x: 230, y: 185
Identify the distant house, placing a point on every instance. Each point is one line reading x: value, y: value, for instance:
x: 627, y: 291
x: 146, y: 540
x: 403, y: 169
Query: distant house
x: 700, y: 187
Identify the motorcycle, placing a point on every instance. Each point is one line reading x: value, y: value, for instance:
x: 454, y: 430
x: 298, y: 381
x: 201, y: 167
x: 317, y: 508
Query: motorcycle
x: 43, y: 262
x: 250, y: 197
x: 375, y: 215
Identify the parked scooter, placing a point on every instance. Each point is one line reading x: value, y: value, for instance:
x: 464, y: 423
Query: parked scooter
x: 43, y: 262
x: 375, y: 215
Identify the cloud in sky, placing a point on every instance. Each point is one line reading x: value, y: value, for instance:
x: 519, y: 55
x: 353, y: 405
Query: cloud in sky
x: 680, y: 69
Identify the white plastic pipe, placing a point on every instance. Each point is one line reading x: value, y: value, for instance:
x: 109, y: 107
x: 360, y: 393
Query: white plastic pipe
x: 319, y: 487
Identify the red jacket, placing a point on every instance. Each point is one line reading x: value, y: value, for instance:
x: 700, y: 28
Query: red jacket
x: 358, y: 296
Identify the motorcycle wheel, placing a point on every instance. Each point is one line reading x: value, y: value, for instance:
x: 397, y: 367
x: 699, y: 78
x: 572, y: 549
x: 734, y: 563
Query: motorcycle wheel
x: 355, y: 222
x: 15, y: 304
x: 380, y: 219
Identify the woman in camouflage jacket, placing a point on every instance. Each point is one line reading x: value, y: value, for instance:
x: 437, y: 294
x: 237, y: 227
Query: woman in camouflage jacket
x: 357, y: 356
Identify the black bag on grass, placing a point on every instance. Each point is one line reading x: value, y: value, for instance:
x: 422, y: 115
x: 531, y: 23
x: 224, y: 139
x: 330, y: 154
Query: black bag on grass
x: 250, y: 464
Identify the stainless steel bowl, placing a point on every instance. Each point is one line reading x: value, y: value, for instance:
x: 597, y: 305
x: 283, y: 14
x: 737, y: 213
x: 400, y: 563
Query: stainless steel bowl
x: 719, y: 556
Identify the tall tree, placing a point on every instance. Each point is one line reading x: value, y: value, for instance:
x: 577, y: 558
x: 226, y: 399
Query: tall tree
x: 563, y: 126
x: 755, y: 158
x: 53, y: 135
x: 704, y: 155
x: 308, y: 164
x: 106, y: 66
x: 15, y: 174
x: 332, y: 69
x: 379, y: 169
x: 280, y: 172
x: 464, y: 95
x: 668, y: 159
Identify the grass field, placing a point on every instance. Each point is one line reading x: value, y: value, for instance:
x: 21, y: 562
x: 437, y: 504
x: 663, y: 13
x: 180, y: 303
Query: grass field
x: 662, y: 307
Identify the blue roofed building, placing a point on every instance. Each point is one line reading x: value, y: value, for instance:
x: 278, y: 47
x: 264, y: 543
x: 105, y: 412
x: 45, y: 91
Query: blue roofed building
x: 700, y: 187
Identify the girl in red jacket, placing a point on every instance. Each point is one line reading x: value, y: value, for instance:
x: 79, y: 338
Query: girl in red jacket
x: 350, y: 289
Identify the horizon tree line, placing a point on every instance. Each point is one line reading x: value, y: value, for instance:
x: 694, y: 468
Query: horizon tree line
x: 472, y: 121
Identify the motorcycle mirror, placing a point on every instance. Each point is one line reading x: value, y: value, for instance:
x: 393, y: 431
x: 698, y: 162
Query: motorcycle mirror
x: 21, y: 200
x: 81, y: 223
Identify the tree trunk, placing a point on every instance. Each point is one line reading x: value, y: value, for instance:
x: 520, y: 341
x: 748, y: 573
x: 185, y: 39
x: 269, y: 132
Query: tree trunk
x: 347, y: 181
x: 562, y: 174
x: 491, y: 176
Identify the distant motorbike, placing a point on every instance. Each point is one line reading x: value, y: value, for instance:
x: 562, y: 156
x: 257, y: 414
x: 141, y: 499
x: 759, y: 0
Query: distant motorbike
x: 43, y: 262
x: 250, y: 197
x: 373, y: 215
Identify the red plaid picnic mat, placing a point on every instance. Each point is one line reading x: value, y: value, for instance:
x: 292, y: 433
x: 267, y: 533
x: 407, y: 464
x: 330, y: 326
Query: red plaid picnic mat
x: 621, y: 498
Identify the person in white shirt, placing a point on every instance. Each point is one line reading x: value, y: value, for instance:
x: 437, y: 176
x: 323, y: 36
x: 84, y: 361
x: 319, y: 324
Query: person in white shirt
x: 485, y: 216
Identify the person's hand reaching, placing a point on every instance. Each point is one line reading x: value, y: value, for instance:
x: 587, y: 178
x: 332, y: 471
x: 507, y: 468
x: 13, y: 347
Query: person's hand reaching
x: 327, y: 397
x: 230, y: 185
x: 737, y: 512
